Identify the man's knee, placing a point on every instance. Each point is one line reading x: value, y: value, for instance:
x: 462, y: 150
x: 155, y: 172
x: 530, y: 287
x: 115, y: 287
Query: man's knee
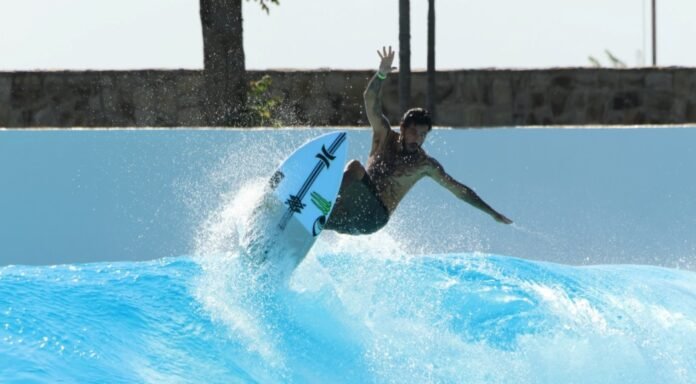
x: 355, y: 170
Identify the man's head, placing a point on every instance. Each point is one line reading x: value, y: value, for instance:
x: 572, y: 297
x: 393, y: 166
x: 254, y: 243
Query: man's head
x: 415, y: 126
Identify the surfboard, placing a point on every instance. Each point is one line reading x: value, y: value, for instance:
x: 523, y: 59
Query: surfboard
x: 297, y: 202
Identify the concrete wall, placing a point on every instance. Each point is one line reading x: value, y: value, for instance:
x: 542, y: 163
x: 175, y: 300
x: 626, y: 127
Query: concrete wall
x: 466, y: 98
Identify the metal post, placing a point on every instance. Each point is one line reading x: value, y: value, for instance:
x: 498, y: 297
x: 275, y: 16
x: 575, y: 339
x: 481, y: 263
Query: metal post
x: 431, y: 59
x: 404, y: 55
x: 654, y: 33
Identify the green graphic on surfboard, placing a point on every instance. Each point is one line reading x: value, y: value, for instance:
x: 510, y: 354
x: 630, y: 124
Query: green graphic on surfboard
x: 321, y: 203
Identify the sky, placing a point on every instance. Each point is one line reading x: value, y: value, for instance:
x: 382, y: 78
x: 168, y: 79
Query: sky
x: 166, y: 34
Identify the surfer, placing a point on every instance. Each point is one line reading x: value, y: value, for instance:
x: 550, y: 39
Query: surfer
x: 368, y: 196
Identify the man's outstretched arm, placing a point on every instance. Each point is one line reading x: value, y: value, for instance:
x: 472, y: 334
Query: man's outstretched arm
x: 373, y: 95
x: 437, y: 173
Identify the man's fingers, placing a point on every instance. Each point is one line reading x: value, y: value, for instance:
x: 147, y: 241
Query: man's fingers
x: 386, y: 54
x: 501, y: 218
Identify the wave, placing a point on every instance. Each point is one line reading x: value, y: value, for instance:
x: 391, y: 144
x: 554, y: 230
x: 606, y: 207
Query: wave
x: 365, y: 309
x: 348, y: 316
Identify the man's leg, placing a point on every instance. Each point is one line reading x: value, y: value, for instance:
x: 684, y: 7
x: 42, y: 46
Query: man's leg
x: 353, y: 173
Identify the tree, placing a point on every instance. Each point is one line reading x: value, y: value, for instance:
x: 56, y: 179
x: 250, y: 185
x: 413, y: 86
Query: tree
x: 404, y: 55
x: 223, y: 51
x: 264, y: 4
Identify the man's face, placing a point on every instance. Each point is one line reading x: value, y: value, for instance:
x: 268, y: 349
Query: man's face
x: 413, y: 137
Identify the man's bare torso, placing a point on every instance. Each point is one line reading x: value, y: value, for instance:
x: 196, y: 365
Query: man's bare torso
x: 394, y: 171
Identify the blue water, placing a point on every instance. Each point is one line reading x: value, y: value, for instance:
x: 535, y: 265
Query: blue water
x: 348, y: 317
x: 594, y: 283
x: 578, y: 196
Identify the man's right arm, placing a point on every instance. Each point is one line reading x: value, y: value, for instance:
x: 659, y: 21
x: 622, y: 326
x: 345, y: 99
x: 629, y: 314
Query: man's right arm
x: 373, y: 96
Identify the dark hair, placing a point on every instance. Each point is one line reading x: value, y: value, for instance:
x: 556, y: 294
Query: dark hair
x: 417, y: 116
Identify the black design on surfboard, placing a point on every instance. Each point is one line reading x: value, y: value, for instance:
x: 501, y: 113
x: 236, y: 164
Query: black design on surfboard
x: 321, y: 164
x: 295, y: 204
x: 277, y: 177
x: 325, y: 156
x: 318, y: 225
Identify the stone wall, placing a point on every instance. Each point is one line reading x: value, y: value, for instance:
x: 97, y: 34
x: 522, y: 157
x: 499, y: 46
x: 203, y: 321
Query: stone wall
x: 89, y: 99
x: 465, y: 98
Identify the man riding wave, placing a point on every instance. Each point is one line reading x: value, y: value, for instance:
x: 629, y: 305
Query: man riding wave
x: 368, y: 196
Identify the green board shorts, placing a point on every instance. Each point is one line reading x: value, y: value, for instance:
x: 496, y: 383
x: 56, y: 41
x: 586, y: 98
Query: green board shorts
x: 358, y: 211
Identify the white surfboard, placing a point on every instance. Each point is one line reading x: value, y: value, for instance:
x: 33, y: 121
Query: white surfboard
x: 297, y: 203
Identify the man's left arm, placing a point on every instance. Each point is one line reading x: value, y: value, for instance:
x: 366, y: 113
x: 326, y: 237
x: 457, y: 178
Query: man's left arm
x: 435, y: 171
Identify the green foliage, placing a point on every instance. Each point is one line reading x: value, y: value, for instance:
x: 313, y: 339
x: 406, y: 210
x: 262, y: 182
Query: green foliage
x: 594, y: 62
x: 263, y: 106
x: 264, y: 4
x: 615, y: 61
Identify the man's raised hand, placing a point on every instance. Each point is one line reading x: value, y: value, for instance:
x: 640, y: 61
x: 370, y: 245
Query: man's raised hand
x: 387, y: 56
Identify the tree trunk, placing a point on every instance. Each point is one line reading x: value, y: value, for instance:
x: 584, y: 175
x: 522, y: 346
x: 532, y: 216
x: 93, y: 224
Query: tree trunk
x: 404, y: 55
x: 223, y: 49
x: 431, y: 59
